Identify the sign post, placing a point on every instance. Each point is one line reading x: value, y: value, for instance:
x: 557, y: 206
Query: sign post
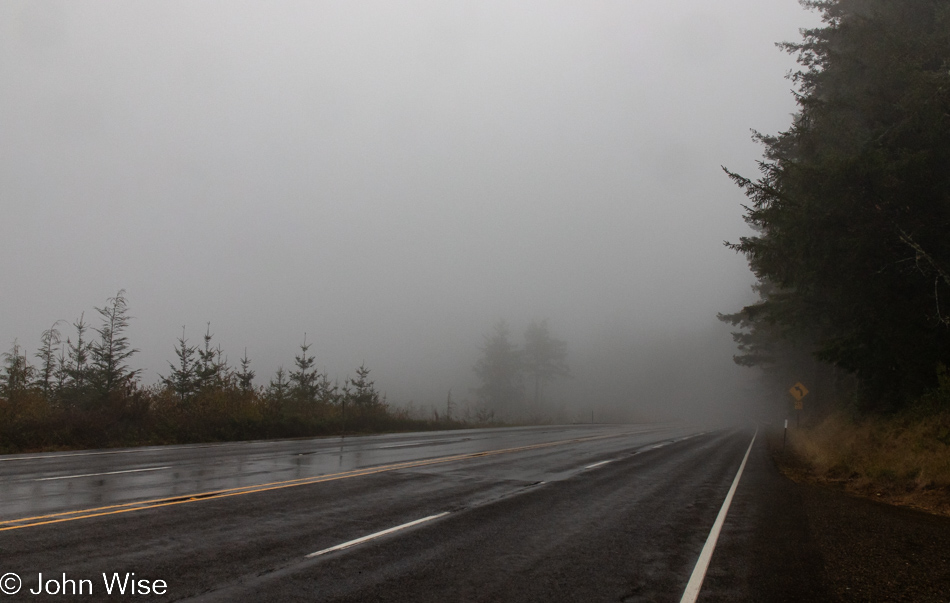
x: 798, y: 392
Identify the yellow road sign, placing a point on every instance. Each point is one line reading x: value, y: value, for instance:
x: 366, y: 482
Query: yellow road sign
x: 798, y: 392
x: 798, y: 405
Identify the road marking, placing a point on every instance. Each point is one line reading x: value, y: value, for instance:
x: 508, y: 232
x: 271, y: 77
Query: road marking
x: 702, y: 564
x: 46, y: 479
x: 44, y: 457
x: 347, y: 545
x: 26, y: 522
x: 598, y: 464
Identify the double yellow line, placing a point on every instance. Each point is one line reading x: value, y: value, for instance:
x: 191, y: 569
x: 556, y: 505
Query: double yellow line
x: 39, y: 520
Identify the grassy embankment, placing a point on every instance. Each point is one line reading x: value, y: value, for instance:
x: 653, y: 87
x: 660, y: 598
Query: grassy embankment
x: 901, y: 459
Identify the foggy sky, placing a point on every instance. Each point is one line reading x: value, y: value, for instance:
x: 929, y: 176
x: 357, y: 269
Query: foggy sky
x: 389, y: 177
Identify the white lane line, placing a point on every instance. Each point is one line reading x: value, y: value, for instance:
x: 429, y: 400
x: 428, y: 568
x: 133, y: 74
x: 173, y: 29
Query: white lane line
x: 63, y: 456
x: 46, y: 479
x: 702, y: 564
x: 404, y: 445
x: 347, y: 545
x: 598, y: 464
x: 44, y: 457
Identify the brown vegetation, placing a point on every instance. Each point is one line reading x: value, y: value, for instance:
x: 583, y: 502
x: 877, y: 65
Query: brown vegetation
x: 901, y: 459
x: 84, y: 395
x: 152, y: 416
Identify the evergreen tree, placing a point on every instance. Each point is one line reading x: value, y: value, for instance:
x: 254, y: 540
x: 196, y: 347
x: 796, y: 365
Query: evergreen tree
x: 499, y: 371
x: 278, y: 390
x: 545, y: 358
x: 49, y: 346
x: 111, y: 353
x: 852, y: 206
x: 305, y: 380
x: 245, y: 376
x: 183, y: 378
x: 328, y: 393
x: 17, y: 374
x: 78, y: 366
x: 210, y: 368
x: 62, y: 370
x: 362, y: 392
x: 782, y: 354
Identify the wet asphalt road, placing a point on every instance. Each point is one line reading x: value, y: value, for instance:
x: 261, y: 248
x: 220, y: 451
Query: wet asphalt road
x: 574, y: 513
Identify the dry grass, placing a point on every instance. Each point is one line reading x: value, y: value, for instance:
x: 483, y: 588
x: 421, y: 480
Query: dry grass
x: 903, y: 459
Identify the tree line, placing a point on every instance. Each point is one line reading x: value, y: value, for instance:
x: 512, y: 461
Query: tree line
x: 503, y: 366
x: 80, y: 392
x: 851, y: 210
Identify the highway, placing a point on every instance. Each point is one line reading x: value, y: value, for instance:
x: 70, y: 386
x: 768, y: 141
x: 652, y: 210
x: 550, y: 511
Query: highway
x: 555, y: 513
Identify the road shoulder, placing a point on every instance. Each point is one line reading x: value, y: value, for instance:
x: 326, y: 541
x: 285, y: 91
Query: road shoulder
x: 878, y: 552
x: 766, y: 551
x: 789, y: 541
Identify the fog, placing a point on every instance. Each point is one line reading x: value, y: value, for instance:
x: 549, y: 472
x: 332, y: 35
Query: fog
x: 392, y: 179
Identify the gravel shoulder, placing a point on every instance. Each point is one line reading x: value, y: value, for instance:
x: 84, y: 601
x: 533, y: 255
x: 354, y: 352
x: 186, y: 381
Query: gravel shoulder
x: 877, y: 552
x: 870, y: 550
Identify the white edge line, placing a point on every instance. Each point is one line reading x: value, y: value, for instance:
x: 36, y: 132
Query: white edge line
x: 702, y: 564
x: 46, y: 479
x: 598, y: 464
x: 54, y: 456
x: 350, y: 543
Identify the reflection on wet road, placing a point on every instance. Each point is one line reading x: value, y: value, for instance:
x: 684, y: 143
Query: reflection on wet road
x: 49, y: 483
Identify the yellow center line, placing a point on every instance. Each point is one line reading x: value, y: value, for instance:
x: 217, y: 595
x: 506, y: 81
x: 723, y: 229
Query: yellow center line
x: 39, y: 520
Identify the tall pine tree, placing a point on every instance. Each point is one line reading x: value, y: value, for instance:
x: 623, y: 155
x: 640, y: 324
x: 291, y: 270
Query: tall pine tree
x: 852, y: 205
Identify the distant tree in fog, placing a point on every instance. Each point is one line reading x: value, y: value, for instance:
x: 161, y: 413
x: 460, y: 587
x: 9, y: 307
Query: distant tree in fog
x: 499, y: 371
x: 545, y: 358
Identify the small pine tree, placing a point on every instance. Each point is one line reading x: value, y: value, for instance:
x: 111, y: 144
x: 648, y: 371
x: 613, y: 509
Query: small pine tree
x: 78, y: 367
x: 305, y: 381
x: 62, y: 370
x: 49, y: 346
x: 183, y: 379
x: 278, y: 389
x: 245, y: 376
x: 111, y: 353
x: 225, y: 377
x: 363, y: 393
x: 17, y: 373
x: 333, y: 394
x: 211, y: 368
